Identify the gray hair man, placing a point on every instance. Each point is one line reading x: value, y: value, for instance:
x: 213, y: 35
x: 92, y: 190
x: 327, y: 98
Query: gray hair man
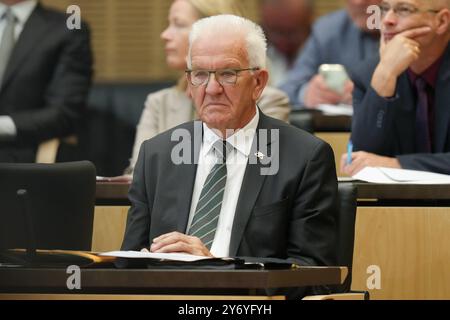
x: 217, y: 207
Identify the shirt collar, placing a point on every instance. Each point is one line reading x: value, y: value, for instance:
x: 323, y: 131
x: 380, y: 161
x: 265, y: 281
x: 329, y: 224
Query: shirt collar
x: 429, y: 75
x: 241, y: 140
x: 21, y: 10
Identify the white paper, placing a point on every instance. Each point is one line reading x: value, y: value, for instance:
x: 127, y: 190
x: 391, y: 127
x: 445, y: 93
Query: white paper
x: 390, y: 175
x: 159, y: 256
x: 336, y: 110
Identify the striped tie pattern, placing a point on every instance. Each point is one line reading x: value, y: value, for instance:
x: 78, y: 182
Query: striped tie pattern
x: 207, y: 212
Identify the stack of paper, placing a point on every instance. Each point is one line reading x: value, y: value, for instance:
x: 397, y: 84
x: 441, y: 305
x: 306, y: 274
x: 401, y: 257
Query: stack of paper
x: 336, y: 110
x: 390, y: 175
x: 151, y: 255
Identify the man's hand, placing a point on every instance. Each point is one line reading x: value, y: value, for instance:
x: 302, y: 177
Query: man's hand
x: 362, y: 159
x: 319, y: 93
x: 178, y: 242
x: 395, y: 57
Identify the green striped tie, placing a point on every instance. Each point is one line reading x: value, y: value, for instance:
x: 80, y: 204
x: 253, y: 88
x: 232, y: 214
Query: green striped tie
x: 207, y: 212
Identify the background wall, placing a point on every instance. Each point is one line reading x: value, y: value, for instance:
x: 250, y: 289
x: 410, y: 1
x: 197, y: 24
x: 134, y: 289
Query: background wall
x: 125, y: 35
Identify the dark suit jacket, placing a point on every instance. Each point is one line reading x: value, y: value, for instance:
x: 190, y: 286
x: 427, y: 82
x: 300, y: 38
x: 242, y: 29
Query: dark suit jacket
x: 387, y: 126
x: 46, y: 82
x: 289, y: 215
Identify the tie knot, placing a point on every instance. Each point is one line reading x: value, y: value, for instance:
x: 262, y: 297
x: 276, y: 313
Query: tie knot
x: 221, y: 149
x: 9, y: 16
x: 420, y: 84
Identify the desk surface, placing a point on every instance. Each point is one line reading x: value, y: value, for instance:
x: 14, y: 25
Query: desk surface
x: 316, y: 121
x: 112, y: 192
x: 43, y: 280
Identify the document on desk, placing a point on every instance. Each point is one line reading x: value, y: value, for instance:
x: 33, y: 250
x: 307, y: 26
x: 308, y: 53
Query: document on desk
x: 152, y: 255
x: 336, y: 110
x: 398, y: 176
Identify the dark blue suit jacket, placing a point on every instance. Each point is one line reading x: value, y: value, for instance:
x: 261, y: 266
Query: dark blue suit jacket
x: 387, y: 126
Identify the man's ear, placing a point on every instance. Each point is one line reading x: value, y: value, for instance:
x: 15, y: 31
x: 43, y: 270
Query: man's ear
x: 443, y: 18
x: 261, y: 78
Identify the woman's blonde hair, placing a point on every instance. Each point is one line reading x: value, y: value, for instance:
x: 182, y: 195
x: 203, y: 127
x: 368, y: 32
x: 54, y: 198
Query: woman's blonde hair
x: 207, y: 8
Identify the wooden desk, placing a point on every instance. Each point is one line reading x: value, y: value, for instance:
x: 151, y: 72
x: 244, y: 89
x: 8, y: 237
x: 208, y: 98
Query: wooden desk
x: 110, y: 215
x: 405, y: 231
x: 31, y: 283
x: 315, y: 121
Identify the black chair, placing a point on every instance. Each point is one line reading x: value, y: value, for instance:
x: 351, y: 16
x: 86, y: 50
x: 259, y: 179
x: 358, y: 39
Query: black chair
x: 346, y: 229
x: 346, y: 237
x: 47, y: 206
x: 302, y: 119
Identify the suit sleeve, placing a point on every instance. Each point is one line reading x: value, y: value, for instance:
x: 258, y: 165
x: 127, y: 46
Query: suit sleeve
x: 436, y: 162
x: 304, y: 69
x: 313, y: 225
x: 65, y: 96
x: 147, y: 127
x: 138, y: 220
x: 372, y: 120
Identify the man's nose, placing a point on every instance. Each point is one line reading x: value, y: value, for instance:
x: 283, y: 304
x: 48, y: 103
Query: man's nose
x: 213, y: 86
x: 390, y: 18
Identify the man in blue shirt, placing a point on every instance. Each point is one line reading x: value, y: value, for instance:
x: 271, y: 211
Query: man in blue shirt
x: 343, y: 38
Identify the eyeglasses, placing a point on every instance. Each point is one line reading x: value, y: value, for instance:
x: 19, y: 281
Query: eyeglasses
x: 402, y: 10
x: 223, y: 76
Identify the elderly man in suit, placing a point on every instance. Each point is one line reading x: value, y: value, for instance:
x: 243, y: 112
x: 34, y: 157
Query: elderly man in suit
x: 247, y: 184
x: 402, y: 114
x: 45, y: 74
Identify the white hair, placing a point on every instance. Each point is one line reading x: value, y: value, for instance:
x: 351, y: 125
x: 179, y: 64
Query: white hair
x: 226, y: 24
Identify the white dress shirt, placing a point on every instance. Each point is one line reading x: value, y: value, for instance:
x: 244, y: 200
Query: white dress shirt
x: 237, y: 160
x: 22, y: 12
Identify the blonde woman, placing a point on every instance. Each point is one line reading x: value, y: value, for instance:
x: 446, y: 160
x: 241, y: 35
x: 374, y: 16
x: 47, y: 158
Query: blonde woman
x: 170, y: 107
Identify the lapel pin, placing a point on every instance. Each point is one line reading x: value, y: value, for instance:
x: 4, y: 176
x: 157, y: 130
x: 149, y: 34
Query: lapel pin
x: 260, y: 155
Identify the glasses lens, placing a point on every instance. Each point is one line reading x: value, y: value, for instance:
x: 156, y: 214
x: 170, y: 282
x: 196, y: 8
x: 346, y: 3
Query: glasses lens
x: 199, y: 77
x: 384, y: 9
x: 227, y: 76
x: 405, y: 10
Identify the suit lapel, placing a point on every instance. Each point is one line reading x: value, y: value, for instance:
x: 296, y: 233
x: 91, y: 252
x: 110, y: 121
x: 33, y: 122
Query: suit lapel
x: 406, y: 119
x: 250, y: 188
x: 186, y: 177
x: 34, y: 30
x: 442, y: 106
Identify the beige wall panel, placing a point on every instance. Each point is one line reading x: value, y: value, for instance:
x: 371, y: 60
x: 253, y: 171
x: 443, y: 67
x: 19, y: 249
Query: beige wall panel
x: 109, y: 227
x: 125, y: 35
x: 410, y: 245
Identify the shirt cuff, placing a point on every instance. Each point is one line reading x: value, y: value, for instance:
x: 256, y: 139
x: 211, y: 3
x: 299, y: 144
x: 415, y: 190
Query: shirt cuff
x: 7, y: 127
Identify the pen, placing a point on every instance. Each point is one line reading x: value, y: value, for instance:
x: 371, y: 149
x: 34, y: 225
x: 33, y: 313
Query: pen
x: 349, y: 152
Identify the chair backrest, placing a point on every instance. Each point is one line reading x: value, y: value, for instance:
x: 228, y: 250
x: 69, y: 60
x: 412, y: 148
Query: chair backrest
x: 346, y: 229
x: 302, y: 119
x: 60, y: 203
